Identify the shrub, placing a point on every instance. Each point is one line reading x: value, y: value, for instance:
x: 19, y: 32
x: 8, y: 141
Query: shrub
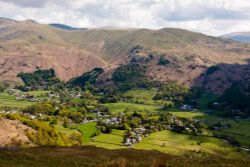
x: 163, y: 61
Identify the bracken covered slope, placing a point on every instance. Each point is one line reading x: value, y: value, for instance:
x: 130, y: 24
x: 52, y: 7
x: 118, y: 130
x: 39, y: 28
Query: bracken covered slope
x: 192, y: 58
x: 26, y: 46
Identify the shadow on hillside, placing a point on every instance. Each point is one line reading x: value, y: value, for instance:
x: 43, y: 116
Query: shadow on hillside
x: 219, y: 77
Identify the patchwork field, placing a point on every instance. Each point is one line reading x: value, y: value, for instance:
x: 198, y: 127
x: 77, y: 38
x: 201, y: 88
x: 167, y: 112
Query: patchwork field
x: 240, y: 129
x: 164, y: 141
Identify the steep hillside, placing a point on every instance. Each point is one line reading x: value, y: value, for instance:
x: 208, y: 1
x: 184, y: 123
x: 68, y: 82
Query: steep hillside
x: 169, y: 54
x: 238, y: 36
x: 26, y: 46
x: 189, y: 55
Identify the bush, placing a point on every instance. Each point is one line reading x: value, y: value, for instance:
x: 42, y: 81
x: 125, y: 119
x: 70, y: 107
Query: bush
x: 163, y: 61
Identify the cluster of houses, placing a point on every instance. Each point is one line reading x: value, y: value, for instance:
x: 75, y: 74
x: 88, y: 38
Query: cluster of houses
x: 186, y: 107
x: 52, y: 95
x: 135, y: 137
x: 27, y: 97
x: 19, y: 96
x: 70, y: 93
x: 104, y: 117
x: 220, y: 127
x: 239, y: 118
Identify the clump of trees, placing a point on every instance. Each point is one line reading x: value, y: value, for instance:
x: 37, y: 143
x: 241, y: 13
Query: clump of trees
x: 38, y: 79
x: 3, y: 87
x: 129, y: 72
x: 176, y: 93
x: 40, y: 108
x: 86, y: 79
x: 49, y: 109
x: 131, y: 76
x: 235, y: 100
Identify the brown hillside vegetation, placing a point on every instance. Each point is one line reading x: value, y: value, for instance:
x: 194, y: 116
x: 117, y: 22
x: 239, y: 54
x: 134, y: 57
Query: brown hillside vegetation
x: 93, y: 156
x: 13, y: 132
x: 27, y: 45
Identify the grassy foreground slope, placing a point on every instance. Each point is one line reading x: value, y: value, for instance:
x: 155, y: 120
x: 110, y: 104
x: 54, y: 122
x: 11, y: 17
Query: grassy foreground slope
x: 93, y: 156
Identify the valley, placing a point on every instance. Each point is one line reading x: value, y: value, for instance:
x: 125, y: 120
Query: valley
x: 102, y: 126
x: 163, y: 95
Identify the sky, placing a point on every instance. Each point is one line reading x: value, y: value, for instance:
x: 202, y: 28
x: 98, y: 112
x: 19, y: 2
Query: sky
x: 211, y: 17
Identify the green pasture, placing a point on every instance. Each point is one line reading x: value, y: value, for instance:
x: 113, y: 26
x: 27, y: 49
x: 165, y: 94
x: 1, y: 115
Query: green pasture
x: 175, y: 143
x: 7, y: 100
x: 110, y: 141
x: 87, y: 130
x: 121, y: 106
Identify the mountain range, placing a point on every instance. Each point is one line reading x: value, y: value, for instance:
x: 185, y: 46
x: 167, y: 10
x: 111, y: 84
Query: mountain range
x: 190, y: 58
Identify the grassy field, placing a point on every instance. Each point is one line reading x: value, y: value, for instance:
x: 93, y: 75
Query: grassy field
x: 174, y: 143
x: 37, y: 93
x: 184, y: 114
x: 145, y: 96
x: 110, y: 141
x: 121, y: 106
x: 170, y: 142
x: 87, y: 130
x: 240, y: 130
x: 7, y: 100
